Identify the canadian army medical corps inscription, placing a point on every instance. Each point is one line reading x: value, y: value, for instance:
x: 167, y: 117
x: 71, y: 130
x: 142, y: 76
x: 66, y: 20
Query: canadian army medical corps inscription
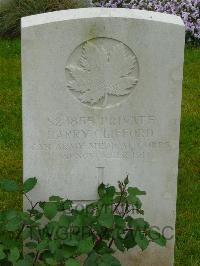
x: 102, y: 72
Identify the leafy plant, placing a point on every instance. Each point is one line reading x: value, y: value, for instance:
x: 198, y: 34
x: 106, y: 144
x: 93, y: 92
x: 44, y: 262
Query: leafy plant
x: 12, y: 10
x: 58, y: 233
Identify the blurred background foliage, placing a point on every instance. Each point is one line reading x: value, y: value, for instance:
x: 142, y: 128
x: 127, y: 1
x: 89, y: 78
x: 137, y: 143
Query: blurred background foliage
x: 11, y: 12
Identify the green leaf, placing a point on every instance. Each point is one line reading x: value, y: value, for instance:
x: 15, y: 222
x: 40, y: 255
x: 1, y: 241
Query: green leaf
x: 119, y: 222
x: 44, y: 255
x: 31, y: 245
x: 106, y: 219
x: 119, y: 243
x: 51, y: 261
x: 37, y: 215
x: 107, y: 200
x: 102, y: 248
x: 26, y: 261
x: 55, y: 198
x: 126, y: 181
x: 52, y: 227
x: 2, y: 254
x: 25, y: 217
x: 135, y: 191
x: 14, y: 255
x: 85, y: 245
x: 53, y: 246
x: 132, y: 199
x: 69, y: 251
x: 129, y: 220
x: 8, y: 185
x: 42, y: 245
x: 139, y: 223
x: 71, y: 242
x: 67, y: 204
x: 64, y: 220
x: 101, y: 190
x: 41, y: 204
x: 101, y: 263
x: 141, y: 240
x: 10, y: 243
x: 10, y: 214
x: 13, y: 225
x: 129, y: 240
x: 35, y: 234
x: 157, y: 237
x: 110, y: 191
x: 79, y: 220
x: 91, y: 260
x: 106, y: 194
x: 29, y: 184
x: 72, y: 262
x: 26, y: 233
x: 110, y: 260
x: 50, y: 210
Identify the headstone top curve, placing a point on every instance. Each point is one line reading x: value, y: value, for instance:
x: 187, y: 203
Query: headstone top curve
x: 87, y: 13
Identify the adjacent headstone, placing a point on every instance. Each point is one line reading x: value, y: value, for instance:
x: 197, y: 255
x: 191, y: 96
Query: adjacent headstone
x: 101, y: 99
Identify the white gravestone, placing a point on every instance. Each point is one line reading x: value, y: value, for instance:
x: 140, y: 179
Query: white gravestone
x: 101, y: 99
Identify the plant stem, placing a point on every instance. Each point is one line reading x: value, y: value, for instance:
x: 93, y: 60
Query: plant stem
x: 31, y: 203
x: 21, y: 230
x: 122, y: 190
x: 121, y: 195
x: 110, y: 243
x: 36, y: 257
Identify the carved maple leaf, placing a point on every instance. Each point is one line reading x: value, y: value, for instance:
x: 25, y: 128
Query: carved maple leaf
x: 102, y: 72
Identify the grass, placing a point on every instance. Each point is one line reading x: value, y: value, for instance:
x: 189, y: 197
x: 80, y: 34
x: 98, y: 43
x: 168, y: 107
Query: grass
x: 187, y: 251
x: 10, y: 119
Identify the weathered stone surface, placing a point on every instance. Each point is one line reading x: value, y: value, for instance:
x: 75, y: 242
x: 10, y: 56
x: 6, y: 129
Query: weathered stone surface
x: 101, y: 99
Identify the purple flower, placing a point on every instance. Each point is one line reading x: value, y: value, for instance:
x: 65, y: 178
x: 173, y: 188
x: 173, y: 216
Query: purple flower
x: 188, y: 10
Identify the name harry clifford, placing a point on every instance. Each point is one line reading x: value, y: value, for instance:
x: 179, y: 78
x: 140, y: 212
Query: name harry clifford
x: 99, y: 133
